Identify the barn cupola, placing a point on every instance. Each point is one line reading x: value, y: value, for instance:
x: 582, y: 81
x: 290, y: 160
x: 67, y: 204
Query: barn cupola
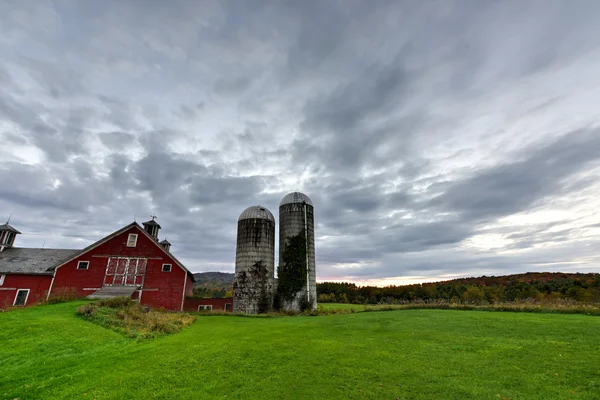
x: 165, y: 244
x: 7, y: 236
x: 152, y: 227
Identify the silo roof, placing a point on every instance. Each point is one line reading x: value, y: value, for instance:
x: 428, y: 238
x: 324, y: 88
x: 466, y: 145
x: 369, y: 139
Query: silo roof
x: 296, y: 197
x: 256, y: 212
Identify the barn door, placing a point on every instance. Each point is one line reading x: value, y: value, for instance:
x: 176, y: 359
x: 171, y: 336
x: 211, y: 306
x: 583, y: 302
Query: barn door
x: 125, y: 271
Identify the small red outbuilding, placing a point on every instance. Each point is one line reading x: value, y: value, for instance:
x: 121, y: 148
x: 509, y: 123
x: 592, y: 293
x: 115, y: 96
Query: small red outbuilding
x: 208, y: 304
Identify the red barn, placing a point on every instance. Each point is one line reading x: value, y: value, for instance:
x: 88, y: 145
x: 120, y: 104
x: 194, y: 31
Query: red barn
x: 128, y: 262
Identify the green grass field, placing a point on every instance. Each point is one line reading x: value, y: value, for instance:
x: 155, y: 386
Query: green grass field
x: 49, y: 353
x: 340, y: 306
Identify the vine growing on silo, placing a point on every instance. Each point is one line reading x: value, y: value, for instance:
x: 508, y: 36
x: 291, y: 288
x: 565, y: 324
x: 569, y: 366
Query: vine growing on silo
x: 254, y: 286
x: 291, y: 271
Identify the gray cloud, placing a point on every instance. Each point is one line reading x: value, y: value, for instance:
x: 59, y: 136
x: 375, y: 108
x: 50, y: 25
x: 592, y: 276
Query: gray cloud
x: 512, y: 187
x: 435, y: 138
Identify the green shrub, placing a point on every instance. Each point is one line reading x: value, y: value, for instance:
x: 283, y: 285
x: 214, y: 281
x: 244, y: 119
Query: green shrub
x: 126, y: 316
x: 116, y: 302
x: 62, y: 295
x: 86, y: 310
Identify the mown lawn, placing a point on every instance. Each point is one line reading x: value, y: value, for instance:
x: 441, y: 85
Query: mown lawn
x: 49, y: 353
x: 341, y: 306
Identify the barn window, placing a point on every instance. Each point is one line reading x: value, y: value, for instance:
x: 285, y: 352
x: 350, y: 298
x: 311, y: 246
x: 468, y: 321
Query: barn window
x: 2, y: 279
x: 21, y: 297
x: 227, y: 306
x: 83, y: 264
x: 205, y: 308
x: 131, y: 240
x: 166, y: 268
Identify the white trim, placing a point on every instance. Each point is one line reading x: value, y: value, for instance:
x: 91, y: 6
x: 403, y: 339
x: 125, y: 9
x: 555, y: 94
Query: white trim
x: 2, y: 279
x: 205, y: 307
x: 17, y: 295
x: 132, y: 237
x: 8, y: 288
x: 120, y: 255
x: 170, y: 267
x: 130, y: 270
x: 87, y: 266
x: 91, y: 288
x: 183, y: 294
x: 51, y: 284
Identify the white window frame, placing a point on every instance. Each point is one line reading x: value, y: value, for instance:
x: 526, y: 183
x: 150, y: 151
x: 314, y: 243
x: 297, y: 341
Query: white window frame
x: 2, y: 279
x: 132, y: 238
x: 170, y: 267
x: 17, y: 295
x: 86, y: 267
x: 205, y: 307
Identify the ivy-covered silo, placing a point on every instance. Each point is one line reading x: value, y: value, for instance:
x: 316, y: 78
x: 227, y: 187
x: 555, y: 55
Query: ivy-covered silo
x: 296, y: 273
x: 254, y: 261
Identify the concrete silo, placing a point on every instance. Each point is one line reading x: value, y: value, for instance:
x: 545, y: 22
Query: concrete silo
x: 254, y: 261
x: 297, y: 285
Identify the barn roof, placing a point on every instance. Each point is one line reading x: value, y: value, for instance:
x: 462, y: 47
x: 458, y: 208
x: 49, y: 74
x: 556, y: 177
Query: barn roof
x: 151, y: 223
x: 7, y: 227
x: 19, y: 260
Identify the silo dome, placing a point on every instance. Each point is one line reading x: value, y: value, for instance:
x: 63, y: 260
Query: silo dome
x: 296, y: 197
x: 256, y: 212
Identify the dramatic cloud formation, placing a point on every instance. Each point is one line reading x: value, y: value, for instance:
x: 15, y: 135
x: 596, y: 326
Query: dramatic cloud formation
x: 436, y: 138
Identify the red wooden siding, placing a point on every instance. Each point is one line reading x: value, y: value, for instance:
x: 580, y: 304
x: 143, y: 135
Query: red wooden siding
x: 192, y: 303
x: 38, y: 286
x: 160, y: 289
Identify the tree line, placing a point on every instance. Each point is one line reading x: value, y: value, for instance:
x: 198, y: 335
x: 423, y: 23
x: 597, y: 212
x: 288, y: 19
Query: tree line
x: 483, y: 290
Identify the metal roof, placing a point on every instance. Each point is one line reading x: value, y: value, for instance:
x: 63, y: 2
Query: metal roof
x: 165, y: 241
x: 7, y: 227
x: 151, y: 222
x: 256, y: 212
x: 296, y: 197
x: 32, y: 261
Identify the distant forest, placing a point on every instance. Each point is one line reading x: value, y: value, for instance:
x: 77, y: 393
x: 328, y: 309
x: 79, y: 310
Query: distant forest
x: 214, y: 284
x: 532, y: 286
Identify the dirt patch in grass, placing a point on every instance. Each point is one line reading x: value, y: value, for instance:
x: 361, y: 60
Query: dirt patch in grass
x: 126, y: 316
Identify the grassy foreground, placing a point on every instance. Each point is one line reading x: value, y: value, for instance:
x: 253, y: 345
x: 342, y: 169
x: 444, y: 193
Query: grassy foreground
x: 126, y: 316
x: 48, y: 352
x: 341, y: 306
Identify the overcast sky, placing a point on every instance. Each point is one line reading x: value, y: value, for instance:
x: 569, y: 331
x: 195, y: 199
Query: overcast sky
x: 437, y: 139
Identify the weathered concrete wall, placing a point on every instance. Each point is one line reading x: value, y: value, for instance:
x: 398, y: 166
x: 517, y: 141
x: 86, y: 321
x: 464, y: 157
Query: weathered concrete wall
x: 254, y: 266
x: 291, y: 223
